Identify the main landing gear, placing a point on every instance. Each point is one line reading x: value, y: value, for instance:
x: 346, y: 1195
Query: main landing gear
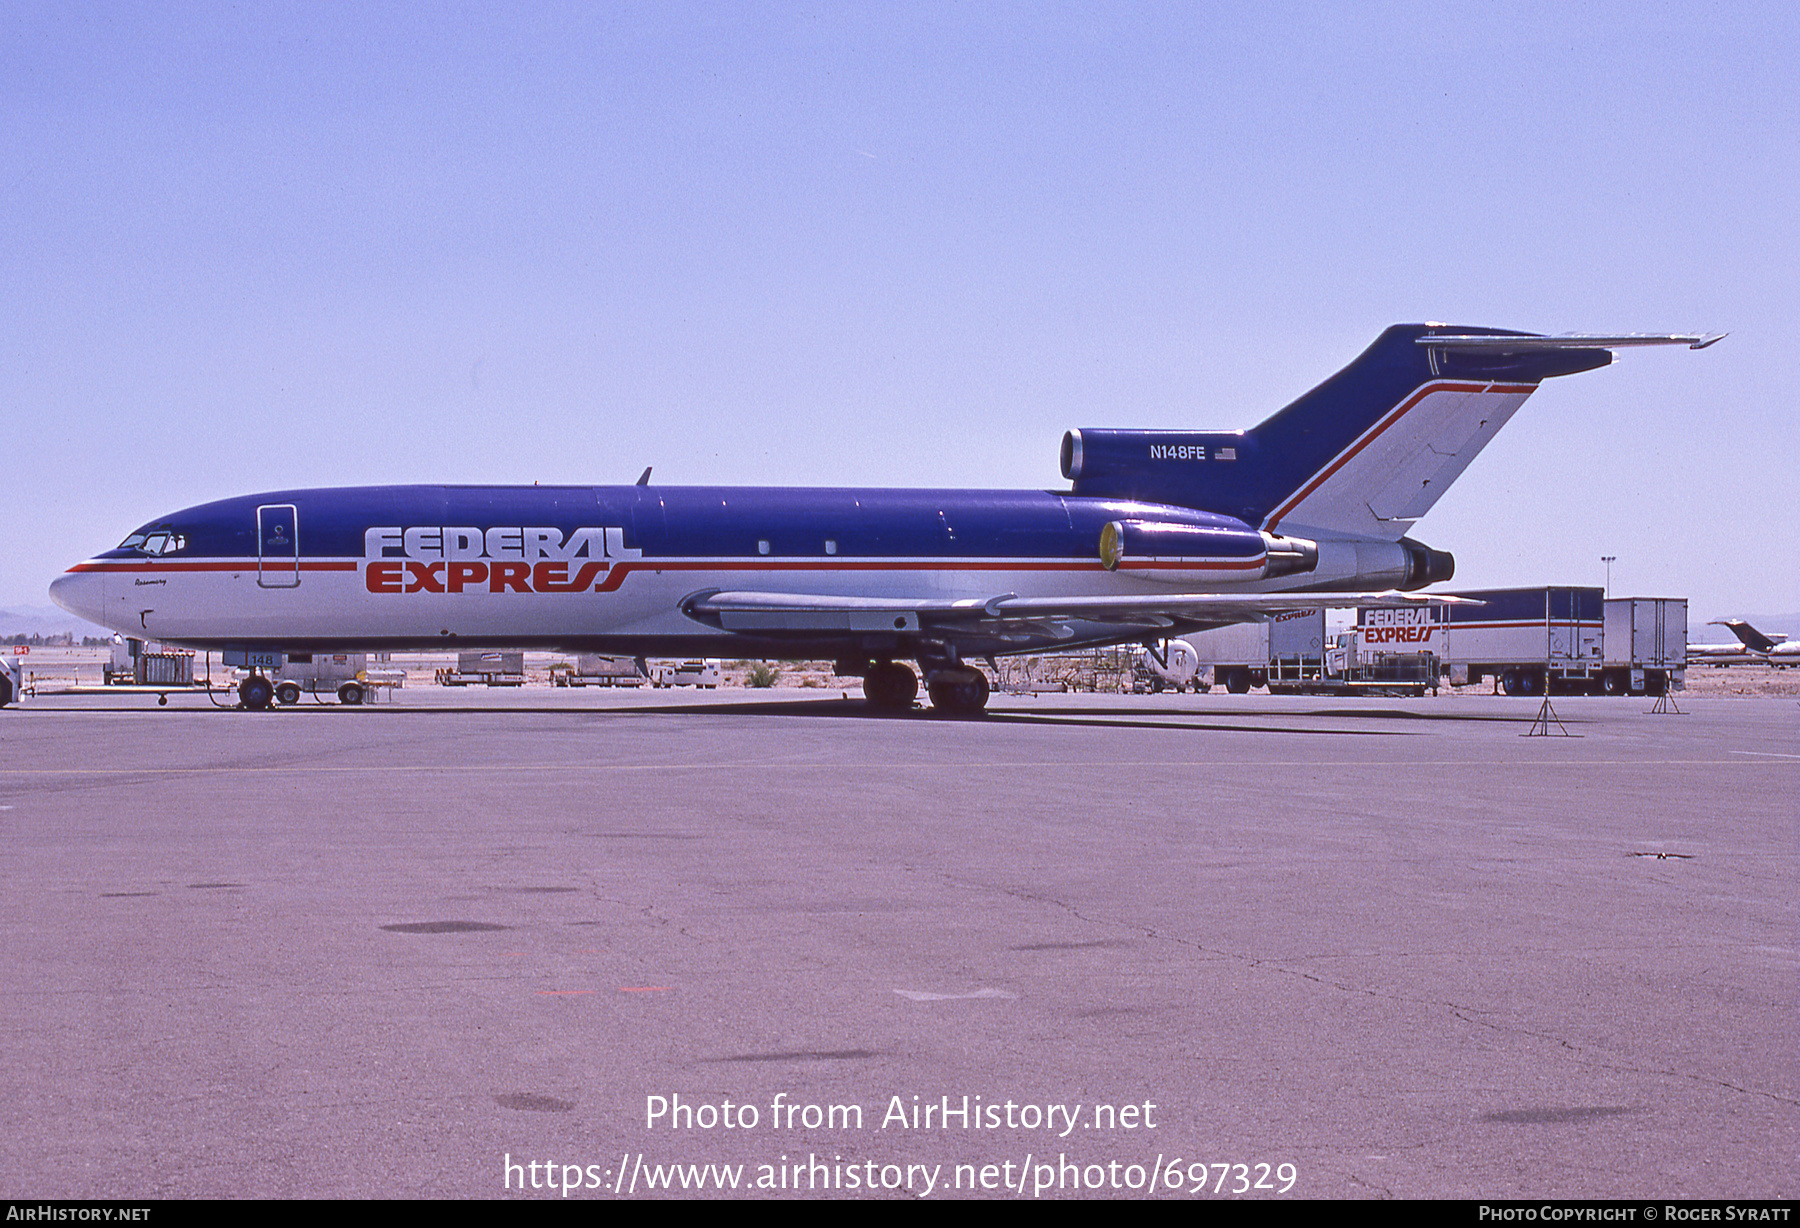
x: 891, y: 686
x: 960, y: 690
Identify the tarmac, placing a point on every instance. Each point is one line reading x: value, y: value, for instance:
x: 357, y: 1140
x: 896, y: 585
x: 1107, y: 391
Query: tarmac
x: 552, y: 944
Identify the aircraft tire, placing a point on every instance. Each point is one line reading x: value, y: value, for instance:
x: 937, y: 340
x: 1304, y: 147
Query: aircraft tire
x: 890, y: 686
x: 942, y: 691
x: 978, y: 697
x: 350, y: 694
x: 287, y: 693
x: 255, y: 693
x: 961, y: 692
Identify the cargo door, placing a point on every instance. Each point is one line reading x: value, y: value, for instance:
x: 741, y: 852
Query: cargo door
x: 1659, y: 634
x: 277, y: 546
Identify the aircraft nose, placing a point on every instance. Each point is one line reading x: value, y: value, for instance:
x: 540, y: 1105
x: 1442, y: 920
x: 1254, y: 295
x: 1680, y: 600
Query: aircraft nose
x: 81, y: 593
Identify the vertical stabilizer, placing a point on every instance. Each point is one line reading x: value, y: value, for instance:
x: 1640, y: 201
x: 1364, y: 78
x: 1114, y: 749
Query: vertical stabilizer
x: 1368, y: 451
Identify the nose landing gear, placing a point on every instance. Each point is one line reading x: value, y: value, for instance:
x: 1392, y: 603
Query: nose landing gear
x: 256, y: 693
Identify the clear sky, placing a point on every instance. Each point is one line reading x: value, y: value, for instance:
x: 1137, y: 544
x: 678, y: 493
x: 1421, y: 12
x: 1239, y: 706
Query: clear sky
x: 249, y: 246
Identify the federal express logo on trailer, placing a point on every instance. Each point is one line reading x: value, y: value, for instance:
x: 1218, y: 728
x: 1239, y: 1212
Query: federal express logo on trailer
x: 1383, y: 631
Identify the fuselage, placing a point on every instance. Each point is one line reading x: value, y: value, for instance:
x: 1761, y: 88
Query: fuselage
x: 1721, y: 654
x: 605, y: 569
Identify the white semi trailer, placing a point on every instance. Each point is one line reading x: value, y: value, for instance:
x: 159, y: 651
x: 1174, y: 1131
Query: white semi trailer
x: 1565, y: 640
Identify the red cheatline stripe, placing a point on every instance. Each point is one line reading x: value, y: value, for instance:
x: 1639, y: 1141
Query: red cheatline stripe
x: 832, y: 564
x: 620, y: 570
x: 1529, y: 622
x: 1190, y: 564
x: 239, y: 565
x: 662, y: 564
x: 617, y: 575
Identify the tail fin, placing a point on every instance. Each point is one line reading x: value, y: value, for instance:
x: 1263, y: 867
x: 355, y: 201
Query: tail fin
x: 1368, y: 451
x: 1753, y: 639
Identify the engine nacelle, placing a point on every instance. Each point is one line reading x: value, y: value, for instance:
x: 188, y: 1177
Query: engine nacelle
x: 1113, y: 456
x: 1212, y: 554
x: 1425, y: 565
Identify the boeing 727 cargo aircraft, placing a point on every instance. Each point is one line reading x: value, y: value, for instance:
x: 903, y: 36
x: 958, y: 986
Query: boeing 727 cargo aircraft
x: 1159, y: 533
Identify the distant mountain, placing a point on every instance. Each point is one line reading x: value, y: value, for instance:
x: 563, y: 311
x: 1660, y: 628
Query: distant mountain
x: 46, y: 620
x: 1789, y: 623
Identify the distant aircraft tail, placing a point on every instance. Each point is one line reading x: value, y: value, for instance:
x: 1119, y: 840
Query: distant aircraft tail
x: 1366, y: 452
x: 1753, y: 639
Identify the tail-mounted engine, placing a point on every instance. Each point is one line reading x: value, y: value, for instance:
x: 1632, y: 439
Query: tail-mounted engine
x: 1425, y: 565
x: 1230, y: 552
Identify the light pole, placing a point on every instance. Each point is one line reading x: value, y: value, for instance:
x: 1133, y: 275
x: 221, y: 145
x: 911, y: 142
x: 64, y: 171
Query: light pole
x: 1608, y: 560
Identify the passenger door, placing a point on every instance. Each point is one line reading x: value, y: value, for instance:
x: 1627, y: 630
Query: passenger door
x: 277, y: 546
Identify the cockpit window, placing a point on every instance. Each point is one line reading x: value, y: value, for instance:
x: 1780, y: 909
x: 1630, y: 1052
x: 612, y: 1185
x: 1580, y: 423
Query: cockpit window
x: 155, y: 541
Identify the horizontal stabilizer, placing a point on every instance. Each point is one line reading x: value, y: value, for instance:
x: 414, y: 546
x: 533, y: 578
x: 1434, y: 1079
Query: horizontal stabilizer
x: 1484, y: 343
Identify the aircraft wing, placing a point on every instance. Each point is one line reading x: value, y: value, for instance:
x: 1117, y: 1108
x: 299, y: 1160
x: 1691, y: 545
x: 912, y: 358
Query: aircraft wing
x: 756, y: 612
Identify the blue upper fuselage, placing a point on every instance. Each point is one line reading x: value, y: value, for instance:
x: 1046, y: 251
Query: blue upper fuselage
x: 700, y: 522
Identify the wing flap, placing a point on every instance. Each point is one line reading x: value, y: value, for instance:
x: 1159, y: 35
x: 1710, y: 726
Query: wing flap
x: 809, y: 612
